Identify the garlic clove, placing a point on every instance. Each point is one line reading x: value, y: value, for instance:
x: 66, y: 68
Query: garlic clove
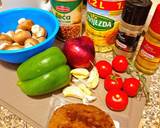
x: 73, y: 91
x: 76, y: 92
x: 80, y: 73
x: 82, y: 85
x: 84, y: 89
x: 93, y: 80
x: 89, y: 99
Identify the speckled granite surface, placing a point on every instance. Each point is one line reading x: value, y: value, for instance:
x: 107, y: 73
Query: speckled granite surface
x: 10, y: 120
x: 151, y: 113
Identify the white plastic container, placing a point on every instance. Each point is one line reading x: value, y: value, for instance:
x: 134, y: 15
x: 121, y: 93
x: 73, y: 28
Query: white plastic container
x: 9, y: 4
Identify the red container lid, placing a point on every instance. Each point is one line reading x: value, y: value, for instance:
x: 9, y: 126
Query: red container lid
x: 155, y: 22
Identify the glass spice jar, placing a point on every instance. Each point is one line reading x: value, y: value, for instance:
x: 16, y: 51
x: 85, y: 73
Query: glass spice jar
x: 133, y: 19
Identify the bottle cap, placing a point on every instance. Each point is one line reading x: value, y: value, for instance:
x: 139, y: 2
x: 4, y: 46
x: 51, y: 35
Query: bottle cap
x: 155, y: 22
x: 136, y: 11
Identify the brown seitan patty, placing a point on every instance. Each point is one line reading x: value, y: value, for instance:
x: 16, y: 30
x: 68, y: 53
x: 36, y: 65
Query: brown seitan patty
x: 80, y: 116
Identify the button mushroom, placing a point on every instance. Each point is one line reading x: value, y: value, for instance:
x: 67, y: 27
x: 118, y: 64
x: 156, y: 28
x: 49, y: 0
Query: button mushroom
x: 14, y: 46
x: 26, y: 35
x: 11, y: 34
x: 25, y: 24
x: 4, y: 44
x: 18, y: 30
x: 30, y: 42
x: 41, y: 39
x: 21, y: 36
x: 38, y: 31
x: 6, y: 37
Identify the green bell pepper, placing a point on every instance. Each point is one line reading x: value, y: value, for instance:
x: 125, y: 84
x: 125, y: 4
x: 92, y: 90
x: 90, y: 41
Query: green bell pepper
x: 44, y: 73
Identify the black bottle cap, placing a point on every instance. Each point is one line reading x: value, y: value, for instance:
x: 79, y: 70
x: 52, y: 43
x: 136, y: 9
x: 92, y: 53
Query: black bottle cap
x: 136, y: 11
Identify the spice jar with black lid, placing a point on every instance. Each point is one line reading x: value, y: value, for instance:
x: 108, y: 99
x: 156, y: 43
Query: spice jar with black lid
x: 133, y: 19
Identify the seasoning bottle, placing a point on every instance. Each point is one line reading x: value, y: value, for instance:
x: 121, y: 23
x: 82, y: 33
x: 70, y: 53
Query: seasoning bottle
x: 102, y: 22
x: 148, y: 57
x: 69, y: 13
x: 154, y: 27
x: 133, y: 19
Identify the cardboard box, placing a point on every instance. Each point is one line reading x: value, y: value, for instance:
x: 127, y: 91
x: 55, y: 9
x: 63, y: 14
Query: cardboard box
x: 36, y: 110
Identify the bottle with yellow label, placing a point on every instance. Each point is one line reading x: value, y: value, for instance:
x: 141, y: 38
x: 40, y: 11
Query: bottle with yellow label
x: 102, y: 22
x: 148, y: 58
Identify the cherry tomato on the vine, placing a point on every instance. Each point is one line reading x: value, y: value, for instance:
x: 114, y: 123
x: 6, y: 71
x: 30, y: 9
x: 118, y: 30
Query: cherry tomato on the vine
x: 104, y: 68
x: 120, y: 63
x: 113, y: 82
x: 131, y: 86
x: 116, y: 100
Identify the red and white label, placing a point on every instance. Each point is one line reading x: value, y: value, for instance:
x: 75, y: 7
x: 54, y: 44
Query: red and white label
x: 62, y: 9
x: 150, y: 49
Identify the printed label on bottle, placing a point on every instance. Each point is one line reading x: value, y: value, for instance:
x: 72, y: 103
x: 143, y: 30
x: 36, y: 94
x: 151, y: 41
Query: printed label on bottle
x: 151, y: 51
x: 102, y: 22
x: 126, y: 42
x: 98, y: 22
x: 65, y: 6
x: 67, y: 11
